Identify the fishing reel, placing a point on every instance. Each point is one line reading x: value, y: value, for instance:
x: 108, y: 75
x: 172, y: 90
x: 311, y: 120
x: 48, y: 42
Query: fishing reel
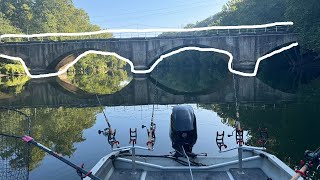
x: 239, y: 134
x: 151, y: 135
x: 311, y: 164
x: 151, y: 130
x: 220, y: 138
x: 313, y: 156
x: 111, y: 135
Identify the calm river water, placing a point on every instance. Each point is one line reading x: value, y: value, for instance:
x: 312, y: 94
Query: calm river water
x: 66, y: 116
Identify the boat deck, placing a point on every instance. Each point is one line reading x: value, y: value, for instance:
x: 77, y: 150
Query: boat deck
x: 256, y: 165
x: 252, y: 173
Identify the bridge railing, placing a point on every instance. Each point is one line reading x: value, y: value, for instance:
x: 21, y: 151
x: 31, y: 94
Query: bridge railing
x: 127, y: 35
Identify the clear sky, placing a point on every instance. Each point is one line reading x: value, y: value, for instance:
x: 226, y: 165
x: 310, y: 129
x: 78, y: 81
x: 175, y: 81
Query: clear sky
x: 148, y: 13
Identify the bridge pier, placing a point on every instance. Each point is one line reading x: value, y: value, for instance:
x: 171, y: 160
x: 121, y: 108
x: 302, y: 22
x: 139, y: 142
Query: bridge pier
x: 141, y: 91
x: 247, y: 67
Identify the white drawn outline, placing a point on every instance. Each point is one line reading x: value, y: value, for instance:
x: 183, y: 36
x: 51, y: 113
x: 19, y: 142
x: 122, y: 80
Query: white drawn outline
x: 64, y: 69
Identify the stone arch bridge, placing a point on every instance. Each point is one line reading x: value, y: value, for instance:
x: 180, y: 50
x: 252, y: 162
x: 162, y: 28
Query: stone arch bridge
x: 49, y: 56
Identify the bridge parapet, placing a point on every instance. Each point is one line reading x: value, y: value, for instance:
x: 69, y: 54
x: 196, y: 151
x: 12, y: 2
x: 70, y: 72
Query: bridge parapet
x: 155, y: 33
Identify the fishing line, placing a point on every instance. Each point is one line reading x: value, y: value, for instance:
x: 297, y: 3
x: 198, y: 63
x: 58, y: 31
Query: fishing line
x: 15, y: 110
x: 185, y: 154
x: 104, y: 114
x: 11, y: 136
x: 148, y: 13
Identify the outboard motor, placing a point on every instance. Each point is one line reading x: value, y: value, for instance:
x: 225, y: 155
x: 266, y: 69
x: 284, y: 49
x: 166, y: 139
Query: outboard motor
x: 183, y: 129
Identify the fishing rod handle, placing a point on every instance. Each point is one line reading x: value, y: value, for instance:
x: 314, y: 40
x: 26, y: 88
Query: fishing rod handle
x: 29, y: 139
x: 300, y: 172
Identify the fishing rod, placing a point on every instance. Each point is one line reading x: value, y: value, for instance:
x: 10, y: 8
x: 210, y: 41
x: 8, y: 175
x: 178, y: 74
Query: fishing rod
x: 108, y: 132
x: 151, y: 132
x: 312, y: 159
x: 80, y: 170
x: 104, y: 114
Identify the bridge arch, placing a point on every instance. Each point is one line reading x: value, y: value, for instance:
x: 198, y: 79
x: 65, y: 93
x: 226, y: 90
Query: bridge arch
x: 279, y: 47
x: 65, y: 59
x: 155, y: 59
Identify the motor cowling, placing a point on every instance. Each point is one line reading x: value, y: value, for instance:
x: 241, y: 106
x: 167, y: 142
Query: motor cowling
x: 183, y: 128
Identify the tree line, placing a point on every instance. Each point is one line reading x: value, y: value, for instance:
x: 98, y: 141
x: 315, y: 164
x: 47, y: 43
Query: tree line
x: 304, y: 14
x: 43, y: 16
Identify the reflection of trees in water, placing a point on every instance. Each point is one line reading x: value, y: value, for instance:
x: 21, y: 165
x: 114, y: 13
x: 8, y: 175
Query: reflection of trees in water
x: 292, y: 127
x: 294, y: 72
x: 99, y: 74
x: 13, y: 152
x: 101, y: 83
x: 289, y: 70
x: 56, y: 128
x: 192, y: 71
x: 309, y: 92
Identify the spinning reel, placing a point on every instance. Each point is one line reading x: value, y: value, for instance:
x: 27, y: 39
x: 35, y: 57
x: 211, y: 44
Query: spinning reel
x: 111, y: 135
x: 151, y: 135
x: 310, y: 165
x: 239, y: 137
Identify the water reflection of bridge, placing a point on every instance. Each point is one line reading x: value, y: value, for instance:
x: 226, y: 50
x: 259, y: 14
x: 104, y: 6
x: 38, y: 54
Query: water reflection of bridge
x: 142, y: 91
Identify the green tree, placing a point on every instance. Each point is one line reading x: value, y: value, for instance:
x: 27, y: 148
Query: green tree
x: 5, y: 25
x: 305, y: 15
x: 239, y: 12
x: 18, y: 12
x: 43, y: 16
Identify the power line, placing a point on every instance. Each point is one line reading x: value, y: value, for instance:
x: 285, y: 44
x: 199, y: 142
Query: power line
x: 148, y: 15
x: 152, y: 10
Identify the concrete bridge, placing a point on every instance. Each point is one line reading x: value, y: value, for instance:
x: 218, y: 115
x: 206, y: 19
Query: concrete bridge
x: 41, y: 93
x: 50, y: 56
